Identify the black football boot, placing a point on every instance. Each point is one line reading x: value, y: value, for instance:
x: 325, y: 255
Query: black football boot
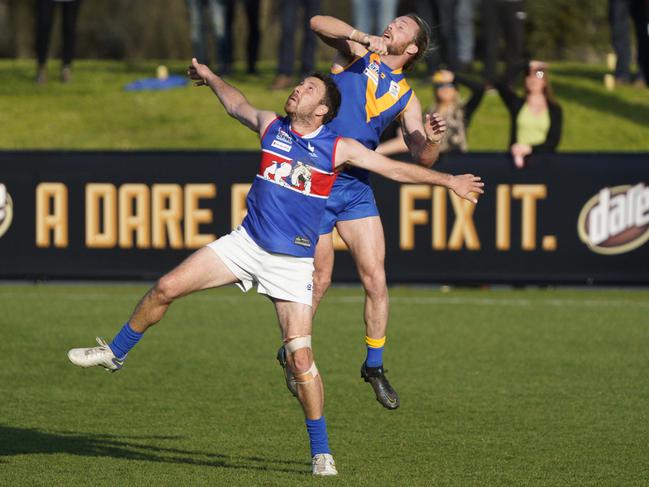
x: 385, y: 394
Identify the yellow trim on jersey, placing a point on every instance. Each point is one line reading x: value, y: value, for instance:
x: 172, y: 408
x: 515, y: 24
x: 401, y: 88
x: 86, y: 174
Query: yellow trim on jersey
x: 375, y: 342
x: 373, y: 106
x: 412, y: 95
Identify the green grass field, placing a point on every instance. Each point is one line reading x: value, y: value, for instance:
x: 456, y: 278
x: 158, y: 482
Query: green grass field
x: 498, y: 388
x: 95, y: 113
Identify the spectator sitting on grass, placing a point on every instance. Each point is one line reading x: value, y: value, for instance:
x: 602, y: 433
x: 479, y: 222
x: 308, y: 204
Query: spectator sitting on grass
x: 453, y: 110
x: 536, y: 118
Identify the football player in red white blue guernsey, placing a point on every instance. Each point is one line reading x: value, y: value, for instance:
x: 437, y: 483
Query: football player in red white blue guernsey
x: 274, y: 246
x: 369, y: 71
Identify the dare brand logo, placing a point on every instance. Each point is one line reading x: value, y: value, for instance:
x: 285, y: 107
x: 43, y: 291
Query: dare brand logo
x: 616, y: 220
x: 6, y: 210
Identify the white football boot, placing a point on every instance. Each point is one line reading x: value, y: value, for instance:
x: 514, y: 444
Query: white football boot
x: 323, y: 465
x: 101, y: 355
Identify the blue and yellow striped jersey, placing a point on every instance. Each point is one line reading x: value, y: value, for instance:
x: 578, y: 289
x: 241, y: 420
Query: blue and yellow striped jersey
x: 372, y: 97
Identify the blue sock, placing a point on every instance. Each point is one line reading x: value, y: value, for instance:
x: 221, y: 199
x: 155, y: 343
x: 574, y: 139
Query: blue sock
x: 374, y: 356
x: 126, y: 339
x: 375, y: 348
x: 317, y: 429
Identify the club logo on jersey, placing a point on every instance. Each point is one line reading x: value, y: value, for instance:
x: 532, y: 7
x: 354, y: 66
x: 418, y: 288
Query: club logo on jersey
x: 372, y: 72
x: 283, y: 141
x: 285, y: 174
x: 296, y: 175
x: 616, y: 220
x: 6, y: 210
x: 278, y: 171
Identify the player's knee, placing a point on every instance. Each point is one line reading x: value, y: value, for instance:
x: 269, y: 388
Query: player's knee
x: 321, y: 282
x: 374, y: 283
x: 301, y: 363
x: 301, y: 360
x: 166, y: 289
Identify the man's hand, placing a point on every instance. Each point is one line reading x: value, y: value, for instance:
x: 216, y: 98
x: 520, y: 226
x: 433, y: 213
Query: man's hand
x: 465, y: 185
x: 373, y: 44
x: 376, y: 45
x: 435, y: 127
x: 200, y: 73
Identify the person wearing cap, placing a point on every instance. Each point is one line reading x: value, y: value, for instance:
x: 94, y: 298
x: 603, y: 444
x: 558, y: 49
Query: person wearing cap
x: 536, y: 117
x: 456, y: 112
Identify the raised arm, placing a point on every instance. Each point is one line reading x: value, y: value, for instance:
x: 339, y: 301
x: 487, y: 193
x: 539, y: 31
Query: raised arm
x: 423, y: 138
x: 354, y: 153
x: 347, y: 41
x: 234, y: 102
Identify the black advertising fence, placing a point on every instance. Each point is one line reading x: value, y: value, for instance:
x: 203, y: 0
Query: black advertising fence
x: 567, y: 218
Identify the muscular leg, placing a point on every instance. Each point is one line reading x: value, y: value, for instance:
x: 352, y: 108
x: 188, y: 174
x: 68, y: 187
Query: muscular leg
x: 323, y: 263
x: 295, y: 321
x: 366, y: 242
x: 201, y: 270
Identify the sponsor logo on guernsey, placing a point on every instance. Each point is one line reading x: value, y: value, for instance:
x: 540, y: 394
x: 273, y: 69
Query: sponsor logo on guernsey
x: 615, y: 220
x: 372, y: 72
x: 303, y: 241
x: 6, y: 210
x: 282, y: 141
x: 394, y: 90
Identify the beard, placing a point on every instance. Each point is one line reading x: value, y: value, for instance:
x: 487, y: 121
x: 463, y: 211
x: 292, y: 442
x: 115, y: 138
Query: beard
x: 397, y: 49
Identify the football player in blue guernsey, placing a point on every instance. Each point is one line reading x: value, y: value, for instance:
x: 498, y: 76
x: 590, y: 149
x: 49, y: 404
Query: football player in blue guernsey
x: 369, y: 73
x: 274, y: 246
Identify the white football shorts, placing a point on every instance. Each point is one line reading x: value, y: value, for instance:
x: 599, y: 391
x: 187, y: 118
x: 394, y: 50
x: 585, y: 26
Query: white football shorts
x: 277, y: 275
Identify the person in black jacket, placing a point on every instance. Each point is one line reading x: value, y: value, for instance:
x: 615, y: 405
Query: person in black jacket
x: 536, y: 118
x: 456, y: 112
x: 44, y: 21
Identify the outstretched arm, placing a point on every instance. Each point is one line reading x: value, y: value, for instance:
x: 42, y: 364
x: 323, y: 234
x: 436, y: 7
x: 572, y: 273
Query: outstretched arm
x: 423, y: 138
x: 354, y: 153
x: 393, y: 146
x: 234, y: 102
x: 347, y: 41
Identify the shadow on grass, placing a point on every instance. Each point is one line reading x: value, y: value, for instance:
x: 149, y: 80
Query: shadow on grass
x: 26, y: 441
x: 603, y: 102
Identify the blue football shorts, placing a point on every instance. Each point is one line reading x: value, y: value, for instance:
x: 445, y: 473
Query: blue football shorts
x: 350, y: 199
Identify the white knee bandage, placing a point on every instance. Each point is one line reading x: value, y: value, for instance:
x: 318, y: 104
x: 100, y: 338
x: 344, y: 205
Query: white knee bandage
x: 294, y: 344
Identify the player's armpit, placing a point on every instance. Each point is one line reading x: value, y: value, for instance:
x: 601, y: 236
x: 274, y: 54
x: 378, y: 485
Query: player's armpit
x: 264, y: 119
x: 355, y: 154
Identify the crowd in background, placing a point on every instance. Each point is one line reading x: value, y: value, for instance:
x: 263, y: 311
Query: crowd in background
x: 536, y: 118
